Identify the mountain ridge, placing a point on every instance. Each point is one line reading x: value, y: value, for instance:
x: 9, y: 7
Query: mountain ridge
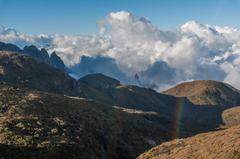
x: 33, y: 51
x: 207, y: 92
x: 111, y: 118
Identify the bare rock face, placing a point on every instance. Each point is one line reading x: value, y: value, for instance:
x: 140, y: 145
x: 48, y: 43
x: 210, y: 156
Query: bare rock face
x: 222, y: 144
x: 57, y: 62
x: 41, y: 55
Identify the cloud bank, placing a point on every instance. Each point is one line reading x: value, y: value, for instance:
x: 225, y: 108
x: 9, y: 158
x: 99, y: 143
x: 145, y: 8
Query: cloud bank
x: 144, y: 54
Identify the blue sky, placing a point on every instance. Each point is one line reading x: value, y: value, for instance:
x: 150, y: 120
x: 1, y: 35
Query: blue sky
x: 81, y: 16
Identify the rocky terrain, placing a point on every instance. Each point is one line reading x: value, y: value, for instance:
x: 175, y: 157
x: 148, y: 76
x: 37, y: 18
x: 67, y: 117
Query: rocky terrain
x: 36, y: 124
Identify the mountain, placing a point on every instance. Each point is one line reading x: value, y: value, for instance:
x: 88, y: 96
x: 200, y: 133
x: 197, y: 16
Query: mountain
x: 207, y: 92
x: 25, y: 71
x: 100, y: 81
x: 108, y: 90
x: 9, y: 47
x: 57, y: 62
x: 186, y: 118
x: 44, y: 113
x: 223, y: 144
x: 41, y: 55
x: 35, y: 124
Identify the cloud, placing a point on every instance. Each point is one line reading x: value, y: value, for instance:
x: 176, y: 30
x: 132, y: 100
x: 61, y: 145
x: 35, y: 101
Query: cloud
x: 129, y: 45
x: 98, y: 64
x: 158, y: 72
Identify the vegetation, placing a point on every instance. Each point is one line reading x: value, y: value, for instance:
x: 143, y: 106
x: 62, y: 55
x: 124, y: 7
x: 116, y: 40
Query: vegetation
x: 44, y: 113
x: 206, y: 92
x: 219, y: 144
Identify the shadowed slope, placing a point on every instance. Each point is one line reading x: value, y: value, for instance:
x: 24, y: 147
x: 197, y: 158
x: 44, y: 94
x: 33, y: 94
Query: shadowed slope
x: 25, y: 71
x: 35, y: 124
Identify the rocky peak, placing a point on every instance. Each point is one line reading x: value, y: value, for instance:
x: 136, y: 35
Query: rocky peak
x: 34, y: 52
x: 9, y: 47
x: 57, y: 62
x: 40, y: 55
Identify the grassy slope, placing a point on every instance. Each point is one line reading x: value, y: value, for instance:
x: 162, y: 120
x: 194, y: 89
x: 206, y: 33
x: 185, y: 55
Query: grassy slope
x: 222, y: 144
x: 206, y: 92
x: 231, y: 117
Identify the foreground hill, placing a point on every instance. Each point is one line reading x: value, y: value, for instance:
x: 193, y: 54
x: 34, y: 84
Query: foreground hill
x: 25, y: 71
x: 223, y: 144
x: 231, y: 117
x: 42, y: 125
x: 207, y: 92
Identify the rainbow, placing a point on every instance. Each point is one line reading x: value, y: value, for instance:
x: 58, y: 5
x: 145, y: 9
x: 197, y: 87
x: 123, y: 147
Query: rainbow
x: 178, y: 117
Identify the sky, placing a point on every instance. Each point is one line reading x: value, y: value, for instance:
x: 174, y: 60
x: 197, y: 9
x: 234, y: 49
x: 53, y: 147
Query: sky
x: 82, y: 16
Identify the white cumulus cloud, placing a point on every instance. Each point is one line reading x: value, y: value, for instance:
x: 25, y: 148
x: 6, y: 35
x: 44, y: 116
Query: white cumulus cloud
x: 136, y: 46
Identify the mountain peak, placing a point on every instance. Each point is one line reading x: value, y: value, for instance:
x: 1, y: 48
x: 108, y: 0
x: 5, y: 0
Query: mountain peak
x: 19, y: 69
x: 207, y: 92
x: 31, y: 47
x: 57, y: 62
x: 99, y: 80
x: 41, y: 55
x: 9, y: 47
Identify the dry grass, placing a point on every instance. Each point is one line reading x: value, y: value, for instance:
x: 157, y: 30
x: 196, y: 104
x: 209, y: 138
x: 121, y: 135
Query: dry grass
x: 223, y: 144
x: 207, y: 92
x: 231, y: 117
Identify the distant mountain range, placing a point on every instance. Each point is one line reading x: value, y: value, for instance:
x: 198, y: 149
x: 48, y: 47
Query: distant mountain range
x: 45, y: 113
x: 34, y: 52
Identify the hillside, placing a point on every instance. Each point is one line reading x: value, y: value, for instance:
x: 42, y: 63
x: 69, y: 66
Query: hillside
x: 25, y: 71
x: 187, y: 119
x: 206, y: 92
x: 223, y: 144
x: 42, y: 125
x: 45, y: 113
x: 231, y: 117
x: 108, y: 90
